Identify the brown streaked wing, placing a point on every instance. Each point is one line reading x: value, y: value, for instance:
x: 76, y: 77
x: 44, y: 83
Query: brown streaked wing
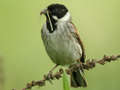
x: 77, y: 36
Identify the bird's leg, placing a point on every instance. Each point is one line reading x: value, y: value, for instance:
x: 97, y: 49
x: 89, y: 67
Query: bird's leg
x: 53, y: 68
x: 49, y: 75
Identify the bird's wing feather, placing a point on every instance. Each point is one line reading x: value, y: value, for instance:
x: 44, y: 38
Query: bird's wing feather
x: 75, y: 33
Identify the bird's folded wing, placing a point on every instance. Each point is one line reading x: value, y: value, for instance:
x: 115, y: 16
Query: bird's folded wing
x: 76, y: 35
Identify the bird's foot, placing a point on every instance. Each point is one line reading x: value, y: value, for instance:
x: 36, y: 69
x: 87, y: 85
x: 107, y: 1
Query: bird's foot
x: 49, y: 77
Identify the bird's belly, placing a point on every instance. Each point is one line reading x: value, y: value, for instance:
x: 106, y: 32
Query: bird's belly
x: 62, y: 49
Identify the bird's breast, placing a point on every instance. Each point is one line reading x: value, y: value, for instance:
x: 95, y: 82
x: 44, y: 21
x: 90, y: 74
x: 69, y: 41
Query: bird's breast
x: 61, y: 46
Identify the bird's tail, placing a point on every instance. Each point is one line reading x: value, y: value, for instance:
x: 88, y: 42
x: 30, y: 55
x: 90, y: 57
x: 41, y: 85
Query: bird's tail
x: 77, y: 79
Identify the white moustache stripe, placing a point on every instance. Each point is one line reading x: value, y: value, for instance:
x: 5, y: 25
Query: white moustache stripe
x: 55, y: 17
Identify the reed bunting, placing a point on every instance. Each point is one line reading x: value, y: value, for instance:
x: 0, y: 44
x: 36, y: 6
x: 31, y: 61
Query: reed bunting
x: 62, y: 41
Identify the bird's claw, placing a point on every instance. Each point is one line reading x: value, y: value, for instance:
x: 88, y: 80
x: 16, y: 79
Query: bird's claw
x: 49, y: 77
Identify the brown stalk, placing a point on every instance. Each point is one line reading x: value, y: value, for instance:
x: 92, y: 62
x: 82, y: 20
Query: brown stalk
x: 90, y: 64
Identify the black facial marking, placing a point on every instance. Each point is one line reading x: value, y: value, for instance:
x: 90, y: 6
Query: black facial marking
x: 53, y: 22
x: 49, y: 21
x: 57, y: 10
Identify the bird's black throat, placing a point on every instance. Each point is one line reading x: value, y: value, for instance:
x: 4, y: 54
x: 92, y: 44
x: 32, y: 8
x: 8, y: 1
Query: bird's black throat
x: 53, y: 22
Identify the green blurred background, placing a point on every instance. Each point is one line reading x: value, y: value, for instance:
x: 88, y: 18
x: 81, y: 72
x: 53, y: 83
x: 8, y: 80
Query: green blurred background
x: 21, y: 47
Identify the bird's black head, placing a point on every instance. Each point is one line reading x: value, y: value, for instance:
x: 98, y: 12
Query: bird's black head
x: 55, y: 11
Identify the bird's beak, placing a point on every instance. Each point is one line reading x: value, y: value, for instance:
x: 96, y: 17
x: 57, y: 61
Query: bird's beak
x: 43, y: 12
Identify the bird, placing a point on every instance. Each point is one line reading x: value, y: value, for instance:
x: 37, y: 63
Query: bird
x: 62, y: 41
